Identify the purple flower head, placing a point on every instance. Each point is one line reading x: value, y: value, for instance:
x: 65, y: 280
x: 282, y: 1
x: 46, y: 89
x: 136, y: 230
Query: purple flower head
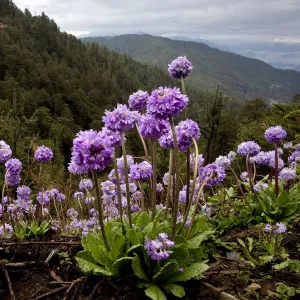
x: 138, y: 100
x: 112, y: 176
x: 200, y: 161
x: 181, y: 270
x: 213, y: 173
x: 120, y: 119
x: 185, y: 132
x: 180, y: 67
x: 260, y: 186
x: 7, y: 232
x: 43, y: 154
x: 288, y: 145
x: 132, y: 188
x: 280, y: 228
x: 79, y: 196
x: 108, y: 188
x: 85, y: 184
x: 159, y: 187
x: 295, y: 157
x: 120, y: 163
x: 23, y: 193
x: 136, y: 196
x: 272, y: 161
x: 150, y: 127
x: 43, y: 198
x: 54, y: 194
x: 275, y: 134
x: 141, y: 171
x: 45, y: 211
x: 13, y: 170
x: 223, y: 161
x: 287, y: 174
x: 166, y: 102
x: 72, y: 213
x: 263, y: 158
x: 244, y: 176
x: 166, y: 140
x: 89, y: 200
x: 268, y: 228
x: 113, y: 136
x: 91, y: 152
x: 248, y: 148
x: 93, y: 212
x: 231, y: 155
x: 206, y: 210
x: 5, y: 151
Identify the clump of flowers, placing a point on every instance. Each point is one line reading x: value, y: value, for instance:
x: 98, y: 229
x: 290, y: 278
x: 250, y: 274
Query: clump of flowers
x: 275, y: 134
x: 13, y: 171
x: 43, y: 154
x: 85, y: 184
x: 260, y: 186
x: 150, y: 127
x: 187, y: 130
x: 275, y: 229
x: 166, y: 102
x: 248, y: 148
x: 212, y: 173
x: 287, y: 174
x: 180, y: 67
x: 141, y: 171
x: 5, y: 151
x: 288, y: 145
x: 158, y: 248
x: 138, y: 100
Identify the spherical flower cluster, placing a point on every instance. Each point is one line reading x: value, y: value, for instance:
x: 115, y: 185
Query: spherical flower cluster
x: 159, y: 187
x: 166, y: 102
x: 43, y: 198
x: 206, y: 210
x: 113, y: 136
x: 288, y: 145
x: 23, y: 192
x: 166, y: 140
x: 138, y: 100
x: 120, y: 163
x: 223, y: 161
x: 120, y: 119
x: 180, y: 67
x: 231, y: 155
x: 43, y: 154
x: 185, y: 131
x: 272, y: 161
x: 294, y: 158
x: 287, y: 174
x: 262, y: 158
x: 244, y: 176
x: 13, y: 170
x: 79, y: 196
x: 248, y: 148
x: 91, y: 152
x: 213, y: 173
x: 141, y: 171
x: 7, y: 232
x: 72, y: 213
x: 260, y: 186
x: 5, y: 151
x: 275, y: 229
x: 275, y: 134
x: 150, y: 127
x: 85, y: 184
x: 55, y: 195
x: 158, y: 249
x: 200, y: 161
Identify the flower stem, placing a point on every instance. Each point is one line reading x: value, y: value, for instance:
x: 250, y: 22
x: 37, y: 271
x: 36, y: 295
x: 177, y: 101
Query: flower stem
x: 154, y: 167
x: 142, y: 196
x: 276, y: 170
x: 169, y: 184
x: 142, y: 139
x: 184, y: 92
x: 177, y: 182
x: 100, y: 210
x: 238, y: 182
x: 249, y: 173
x: 118, y: 186
x: 126, y: 179
x: 188, y: 206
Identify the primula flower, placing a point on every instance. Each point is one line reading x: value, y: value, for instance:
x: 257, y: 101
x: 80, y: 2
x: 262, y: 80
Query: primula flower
x: 56, y: 195
x: 223, y: 161
x: 120, y: 163
x: 5, y: 151
x: 91, y: 152
x: 200, y: 161
x: 7, y: 233
x: 287, y: 174
x: 260, y: 186
x: 141, y: 171
x: 288, y: 145
x: 120, y: 119
x: 23, y: 192
x: 275, y: 134
x: 180, y: 67
x: 159, y: 187
x: 231, y: 155
x: 281, y: 228
x: 150, y: 127
x: 108, y: 188
x: 13, y: 170
x: 43, y: 154
x: 138, y: 100
x: 185, y: 131
x: 214, y: 173
x: 166, y: 102
x: 248, y: 148
x: 79, y: 196
x: 72, y: 213
x: 85, y: 184
x: 244, y: 176
x: 113, y: 136
x: 43, y: 198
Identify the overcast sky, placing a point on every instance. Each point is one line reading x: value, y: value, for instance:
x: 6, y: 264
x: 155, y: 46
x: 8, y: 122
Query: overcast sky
x: 219, y: 20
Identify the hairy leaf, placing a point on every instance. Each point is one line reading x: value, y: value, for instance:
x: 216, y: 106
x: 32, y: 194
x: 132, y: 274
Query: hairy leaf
x: 155, y: 293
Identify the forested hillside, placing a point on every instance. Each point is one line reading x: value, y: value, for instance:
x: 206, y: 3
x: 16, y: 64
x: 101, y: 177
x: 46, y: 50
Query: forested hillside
x: 239, y: 76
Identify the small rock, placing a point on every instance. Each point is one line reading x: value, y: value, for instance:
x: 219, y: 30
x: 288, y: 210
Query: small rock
x: 226, y: 296
x: 253, y: 287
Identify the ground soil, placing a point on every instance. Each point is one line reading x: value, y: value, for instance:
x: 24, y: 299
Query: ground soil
x: 40, y: 278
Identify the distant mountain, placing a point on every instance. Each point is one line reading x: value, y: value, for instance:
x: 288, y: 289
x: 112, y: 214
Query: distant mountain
x: 238, y: 76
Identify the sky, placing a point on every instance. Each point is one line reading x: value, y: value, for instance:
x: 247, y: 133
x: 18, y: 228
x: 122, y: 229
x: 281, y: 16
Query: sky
x: 227, y: 22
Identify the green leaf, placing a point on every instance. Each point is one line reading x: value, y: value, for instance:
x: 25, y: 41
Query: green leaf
x: 93, y: 243
x: 88, y: 267
x: 123, y: 266
x: 117, y: 247
x: 242, y: 242
x: 138, y: 269
x: 180, y: 254
x: 86, y: 255
x: 175, y: 289
x: 265, y: 259
x: 250, y: 243
x: 143, y: 220
x: 165, y: 272
x: 143, y: 284
x: 283, y: 199
x: 133, y: 238
x: 155, y: 293
x: 190, y: 272
x: 195, y: 242
x: 138, y: 249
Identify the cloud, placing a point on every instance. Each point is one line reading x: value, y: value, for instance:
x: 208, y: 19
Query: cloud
x: 218, y: 19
